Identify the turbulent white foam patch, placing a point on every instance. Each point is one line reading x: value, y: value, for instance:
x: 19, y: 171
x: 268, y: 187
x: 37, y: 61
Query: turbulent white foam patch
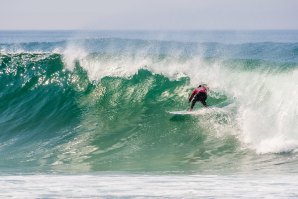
x: 148, y: 186
x: 268, y: 112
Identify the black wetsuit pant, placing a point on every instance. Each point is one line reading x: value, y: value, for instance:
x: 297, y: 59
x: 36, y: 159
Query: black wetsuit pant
x: 201, y: 97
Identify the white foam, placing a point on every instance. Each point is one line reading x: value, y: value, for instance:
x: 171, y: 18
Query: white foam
x: 268, y: 112
x: 148, y: 186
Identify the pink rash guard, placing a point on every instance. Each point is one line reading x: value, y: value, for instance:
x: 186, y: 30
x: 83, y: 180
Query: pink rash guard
x: 201, y: 89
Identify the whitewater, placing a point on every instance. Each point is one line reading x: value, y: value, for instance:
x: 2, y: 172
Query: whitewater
x: 94, y: 106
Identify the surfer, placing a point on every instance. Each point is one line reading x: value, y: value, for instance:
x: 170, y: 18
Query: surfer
x: 198, y: 94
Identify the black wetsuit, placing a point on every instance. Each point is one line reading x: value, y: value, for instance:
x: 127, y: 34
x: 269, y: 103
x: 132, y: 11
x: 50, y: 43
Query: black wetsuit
x: 201, y: 97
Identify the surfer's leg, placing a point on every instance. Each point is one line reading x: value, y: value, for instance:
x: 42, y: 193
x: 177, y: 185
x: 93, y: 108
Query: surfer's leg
x: 204, y: 103
x: 193, y: 104
x: 203, y: 98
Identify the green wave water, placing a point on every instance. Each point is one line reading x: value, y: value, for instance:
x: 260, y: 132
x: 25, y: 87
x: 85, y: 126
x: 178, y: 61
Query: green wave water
x: 78, y: 111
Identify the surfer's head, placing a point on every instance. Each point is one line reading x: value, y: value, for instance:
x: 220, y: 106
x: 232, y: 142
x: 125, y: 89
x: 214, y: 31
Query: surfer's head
x: 204, y: 86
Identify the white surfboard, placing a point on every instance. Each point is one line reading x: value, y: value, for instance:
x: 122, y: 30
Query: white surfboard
x: 201, y: 111
x: 180, y: 112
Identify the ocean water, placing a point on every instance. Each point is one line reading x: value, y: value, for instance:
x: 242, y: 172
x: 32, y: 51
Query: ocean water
x: 85, y: 114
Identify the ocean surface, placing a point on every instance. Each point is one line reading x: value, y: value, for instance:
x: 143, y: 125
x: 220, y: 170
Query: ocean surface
x: 85, y: 114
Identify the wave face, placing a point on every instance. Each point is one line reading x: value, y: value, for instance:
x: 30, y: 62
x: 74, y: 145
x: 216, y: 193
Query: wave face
x: 100, y: 104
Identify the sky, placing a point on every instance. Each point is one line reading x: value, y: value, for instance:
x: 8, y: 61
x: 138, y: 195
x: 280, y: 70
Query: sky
x: 148, y: 14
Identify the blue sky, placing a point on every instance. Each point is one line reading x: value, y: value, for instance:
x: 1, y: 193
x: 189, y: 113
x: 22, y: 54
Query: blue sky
x: 148, y: 14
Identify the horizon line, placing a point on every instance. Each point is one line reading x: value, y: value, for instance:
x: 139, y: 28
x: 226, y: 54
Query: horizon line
x: 150, y: 30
